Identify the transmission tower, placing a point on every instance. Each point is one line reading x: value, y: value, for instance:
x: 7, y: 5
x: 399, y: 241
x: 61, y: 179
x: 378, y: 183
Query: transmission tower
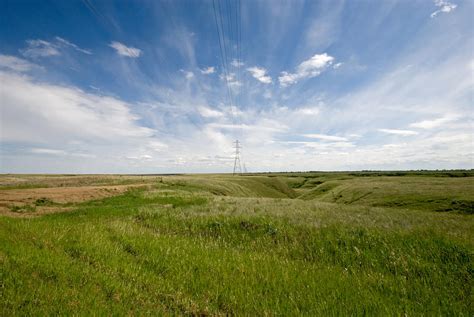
x: 237, y: 166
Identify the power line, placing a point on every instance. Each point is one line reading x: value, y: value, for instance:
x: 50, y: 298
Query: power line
x: 228, y: 12
x: 223, y: 41
x: 226, y: 40
x: 239, y: 54
x: 223, y: 53
x: 239, y: 65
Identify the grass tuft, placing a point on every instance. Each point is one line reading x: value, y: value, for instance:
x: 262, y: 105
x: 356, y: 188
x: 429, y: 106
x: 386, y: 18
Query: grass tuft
x: 290, y: 244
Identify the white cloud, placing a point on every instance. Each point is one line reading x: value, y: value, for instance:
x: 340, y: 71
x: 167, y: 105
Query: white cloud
x: 307, y: 69
x: 231, y: 80
x: 208, y: 70
x: 308, y: 111
x: 48, y: 151
x: 209, y: 113
x: 323, y: 145
x: 60, y: 153
x: 399, y: 132
x: 444, y: 7
x: 235, y: 84
x: 236, y: 63
x: 156, y: 146
x: 435, y: 123
x: 326, y: 137
x: 337, y: 65
x: 188, y: 74
x: 38, y: 112
x: 260, y: 74
x: 16, y: 64
x: 229, y: 77
x: 257, y: 127
x: 40, y: 48
x: 312, y: 66
x: 77, y: 48
x: 144, y: 157
x: 125, y: 50
x: 440, y: 82
x: 267, y: 94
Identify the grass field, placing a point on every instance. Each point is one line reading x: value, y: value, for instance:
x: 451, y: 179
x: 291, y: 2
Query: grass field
x: 265, y: 244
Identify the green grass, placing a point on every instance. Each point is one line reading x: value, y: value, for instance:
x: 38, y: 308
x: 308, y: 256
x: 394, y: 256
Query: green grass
x: 23, y: 208
x: 11, y: 182
x: 251, y: 245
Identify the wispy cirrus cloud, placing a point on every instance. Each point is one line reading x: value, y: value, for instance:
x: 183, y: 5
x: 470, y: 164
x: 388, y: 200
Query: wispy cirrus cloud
x: 74, y: 46
x: 398, y: 132
x: 124, y: 50
x: 56, y: 152
x: 187, y: 74
x: 308, y: 69
x: 444, y: 7
x: 412, y: 86
x: 435, y: 123
x: 41, y: 48
x: 208, y: 70
x: 48, y: 151
x: 53, y: 113
x: 308, y: 111
x: 237, y: 63
x: 326, y: 137
x: 16, y: 64
x: 322, y: 145
x: 260, y: 74
x: 274, y: 127
x: 231, y: 79
x: 209, y: 113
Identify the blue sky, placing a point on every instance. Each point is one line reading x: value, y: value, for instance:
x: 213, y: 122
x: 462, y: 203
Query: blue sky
x: 141, y: 87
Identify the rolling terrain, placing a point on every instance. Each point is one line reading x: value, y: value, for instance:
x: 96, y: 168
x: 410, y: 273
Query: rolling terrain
x: 388, y: 243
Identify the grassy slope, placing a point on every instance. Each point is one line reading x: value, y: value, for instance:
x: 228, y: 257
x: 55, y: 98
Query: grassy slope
x: 220, y: 245
x: 420, y: 193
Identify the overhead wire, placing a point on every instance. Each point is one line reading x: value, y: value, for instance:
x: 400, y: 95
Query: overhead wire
x: 223, y: 53
x: 228, y: 9
x: 240, y: 64
x: 230, y: 46
x: 239, y: 54
x: 226, y: 64
x: 232, y: 56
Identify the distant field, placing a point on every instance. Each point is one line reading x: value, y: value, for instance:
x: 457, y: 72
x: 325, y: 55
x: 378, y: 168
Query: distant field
x: 366, y: 243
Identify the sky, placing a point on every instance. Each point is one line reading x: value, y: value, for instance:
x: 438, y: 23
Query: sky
x: 168, y: 86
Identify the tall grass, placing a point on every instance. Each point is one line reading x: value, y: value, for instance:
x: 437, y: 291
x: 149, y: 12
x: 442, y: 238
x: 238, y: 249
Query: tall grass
x: 234, y: 246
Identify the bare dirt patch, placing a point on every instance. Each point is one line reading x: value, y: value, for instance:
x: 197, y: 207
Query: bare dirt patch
x: 11, y: 181
x: 39, y: 201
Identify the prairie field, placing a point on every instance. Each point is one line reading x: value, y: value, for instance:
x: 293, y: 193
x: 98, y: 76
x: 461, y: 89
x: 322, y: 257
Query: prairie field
x: 340, y: 243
